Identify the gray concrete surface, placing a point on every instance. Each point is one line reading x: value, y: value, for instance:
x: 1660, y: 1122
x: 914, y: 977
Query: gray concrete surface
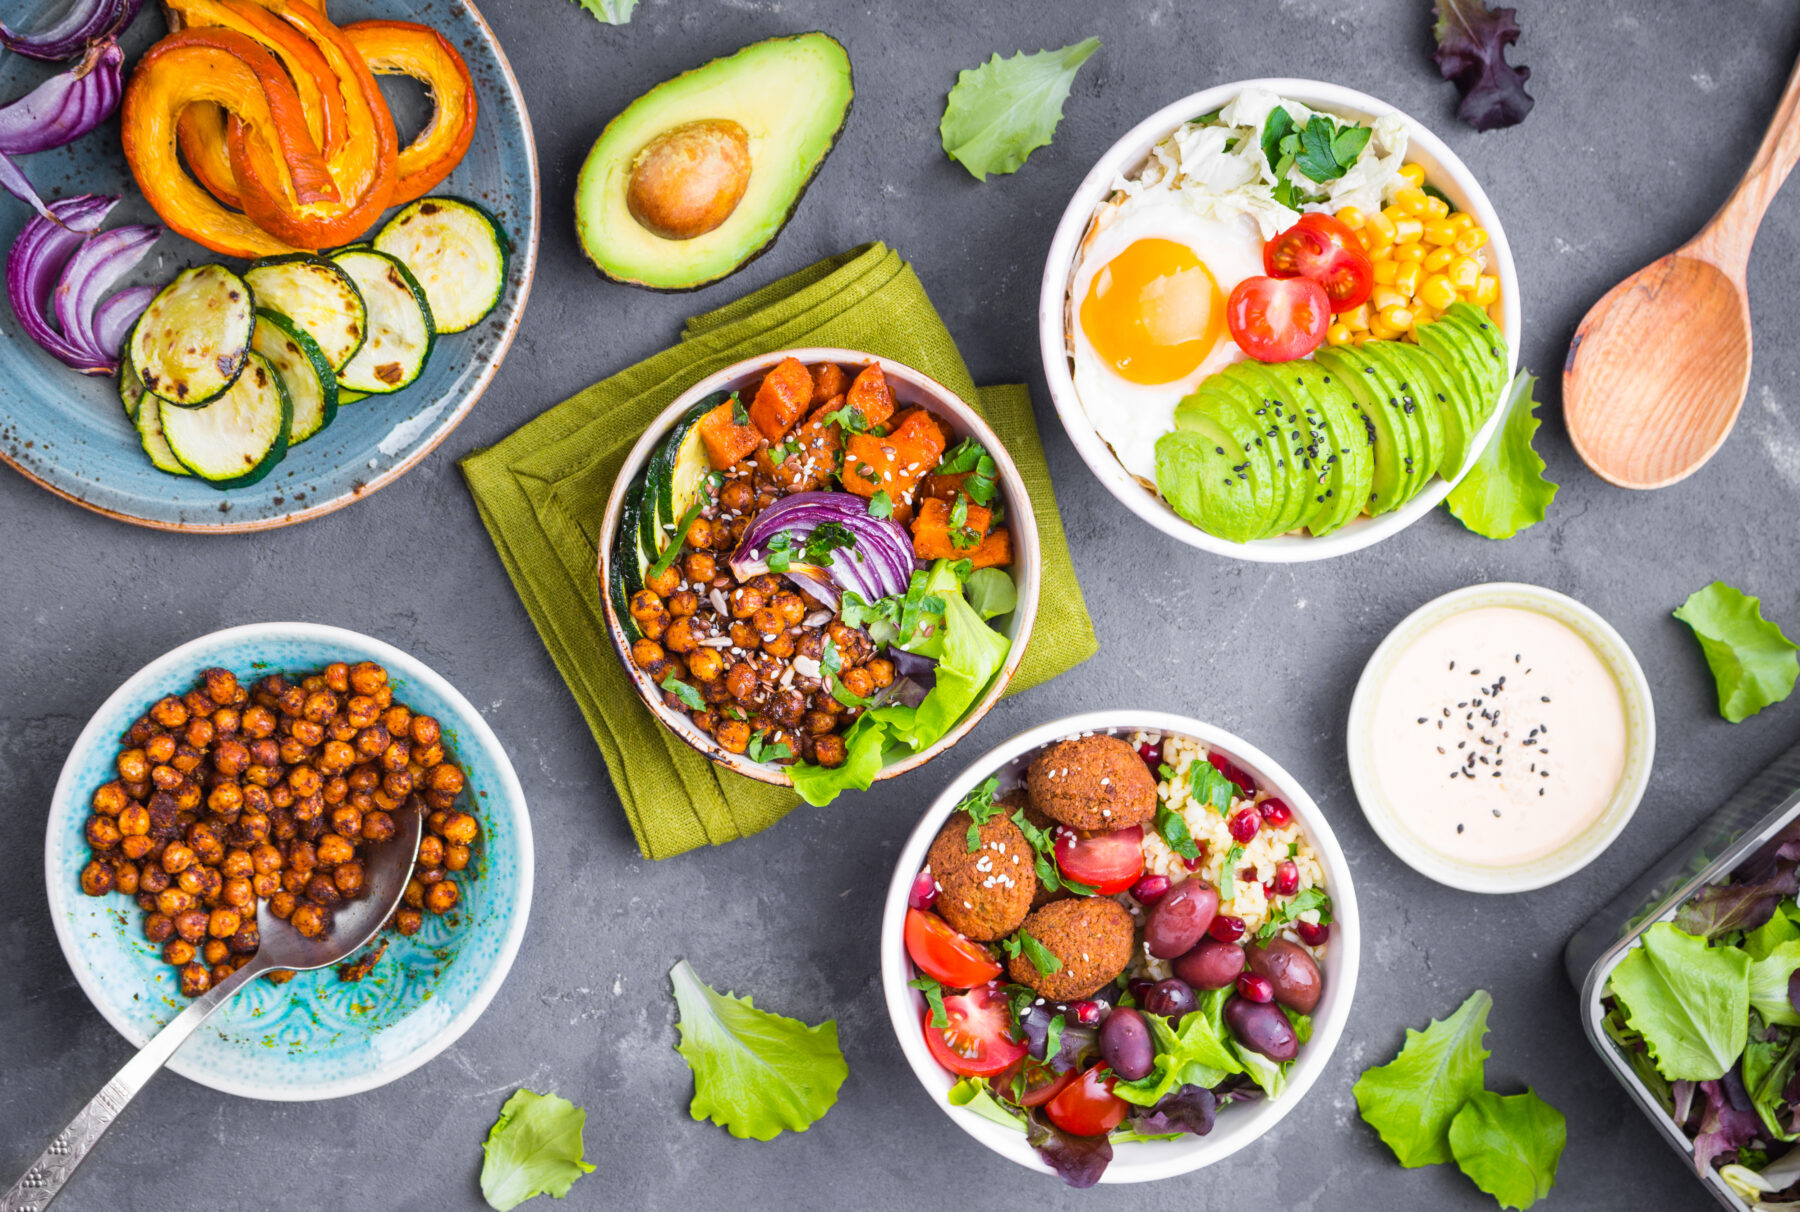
x: 1646, y: 114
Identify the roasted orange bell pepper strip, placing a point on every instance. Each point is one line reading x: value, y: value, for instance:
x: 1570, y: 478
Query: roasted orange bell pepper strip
x: 403, y: 48
x: 231, y: 70
x: 364, y: 167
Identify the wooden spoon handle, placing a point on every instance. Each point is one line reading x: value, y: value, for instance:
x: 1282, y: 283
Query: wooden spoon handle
x: 1727, y: 238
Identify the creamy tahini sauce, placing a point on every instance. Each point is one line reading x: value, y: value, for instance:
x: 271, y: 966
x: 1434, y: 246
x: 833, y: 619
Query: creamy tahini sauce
x: 1498, y: 736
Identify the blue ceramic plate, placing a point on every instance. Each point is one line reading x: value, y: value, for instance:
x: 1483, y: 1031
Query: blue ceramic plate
x: 316, y: 1036
x: 68, y: 432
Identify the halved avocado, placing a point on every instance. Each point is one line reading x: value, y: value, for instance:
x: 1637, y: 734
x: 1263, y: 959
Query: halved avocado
x: 663, y: 200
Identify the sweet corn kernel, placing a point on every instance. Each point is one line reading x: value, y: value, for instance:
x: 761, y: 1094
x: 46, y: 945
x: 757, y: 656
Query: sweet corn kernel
x: 1397, y: 318
x: 1357, y: 317
x: 1441, y: 232
x: 1381, y: 224
x: 1415, y: 176
x: 1350, y: 217
x: 1381, y: 330
x: 1422, y: 315
x: 1408, y: 230
x: 1411, y: 199
x: 1395, y: 211
x: 1436, y: 208
x: 1437, y: 258
x: 1471, y: 240
x: 1384, y: 297
x: 1339, y: 334
x: 1438, y: 291
x: 1462, y: 272
x: 1407, y: 279
x: 1385, y: 271
x: 1463, y: 220
x: 1487, y: 289
x: 1411, y: 252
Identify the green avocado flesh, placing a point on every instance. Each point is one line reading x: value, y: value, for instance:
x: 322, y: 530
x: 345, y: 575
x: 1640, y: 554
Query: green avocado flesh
x: 790, y: 95
x: 1265, y: 449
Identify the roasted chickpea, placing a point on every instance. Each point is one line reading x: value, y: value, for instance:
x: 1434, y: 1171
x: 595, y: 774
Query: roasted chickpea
x: 151, y: 877
x: 663, y: 582
x: 786, y: 707
x: 134, y: 766
x: 683, y: 636
x: 415, y: 893
x: 705, y: 664
x: 699, y: 566
x: 811, y: 644
x: 397, y: 719
x: 746, y: 600
x: 768, y: 623
x: 265, y: 885
x: 97, y: 879
x: 736, y: 495
x: 700, y: 533
x: 321, y: 889
x: 221, y: 685
x: 428, y: 755
x: 282, y: 904
x: 460, y: 828
x: 441, y: 897
x: 858, y: 682
x: 170, y: 712
x: 214, y: 950
x: 103, y: 833
x: 246, y: 940
x: 431, y: 850
x: 226, y: 721
x: 177, y: 858
x: 445, y: 779
x: 334, y: 849
x: 818, y: 722
x: 683, y: 603
x: 789, y: 607
x: 365, y: 778
x: 741, y: 680
x: 190, y: 924
x: 224, y: 922
x: 239, y: 893
x: 780, y: 645
x: 347, y: 821
x: 308, y: 919
x: 178, y: 951
x: 125, y: 877
x: 366, y: 677
x: 110, y: 799
x: 828, y: 750
x: 337, y: 676
x: 425, y: 730
x: 349, y: 878
x: 195, y: 980
x: 362, y: 711
x: 456, y: 858
x: 193, y: 881
x: 744, y: 635
x: 408, y: 921
x: 733, y: 735
x: 259, y: 722
x: 377, y: 826
x: 372, y: 741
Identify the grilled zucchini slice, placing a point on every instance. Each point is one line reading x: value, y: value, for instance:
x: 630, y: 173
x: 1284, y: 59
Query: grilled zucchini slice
x: 192, y: 341
x: 457, y: 251
x: 238, y: 438
x: 401, y: 332
x: 319, y: 298
x: 305, y: 372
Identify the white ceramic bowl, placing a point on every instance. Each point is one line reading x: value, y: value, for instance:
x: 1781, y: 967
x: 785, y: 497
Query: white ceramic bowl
x: 910, y: 387
x: 1237, y: 1126
x: 1579, y: 851
x: 1442, y: 169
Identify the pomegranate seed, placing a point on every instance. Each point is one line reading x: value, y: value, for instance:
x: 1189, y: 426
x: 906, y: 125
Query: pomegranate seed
x: 1254, y: 987
x: 1152, y: 755
x: 1244, y: 825
x: 1311, y: 933
x: 1226, y: 929
x: 1150, y: 889
x: 1269, y: 889
x: 924, y: 892
x: 1232, y: 771
x: 1197, y: 862
x: 1087, y: 1013
x: 1277, y: 813
x: 1287, y: 877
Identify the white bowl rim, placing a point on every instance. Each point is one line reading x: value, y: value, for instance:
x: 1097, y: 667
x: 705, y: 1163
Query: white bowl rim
x: 1170, y: 1158
x: 1027, y: 551
x: 469, y: 719
x: 1059, y: 266
x: 1539, y: 873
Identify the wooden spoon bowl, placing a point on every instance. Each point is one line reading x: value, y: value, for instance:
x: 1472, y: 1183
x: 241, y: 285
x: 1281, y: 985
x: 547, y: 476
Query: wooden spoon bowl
x: 1658, y: 369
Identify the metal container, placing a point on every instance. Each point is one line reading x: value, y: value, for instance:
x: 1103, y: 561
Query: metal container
x: 1754, y: 813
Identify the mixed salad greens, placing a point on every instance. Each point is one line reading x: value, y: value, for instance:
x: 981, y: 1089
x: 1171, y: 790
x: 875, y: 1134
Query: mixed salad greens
x: 1752, y: 662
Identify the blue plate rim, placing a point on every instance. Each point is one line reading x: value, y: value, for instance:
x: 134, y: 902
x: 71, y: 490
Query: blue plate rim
x: 134, y: 689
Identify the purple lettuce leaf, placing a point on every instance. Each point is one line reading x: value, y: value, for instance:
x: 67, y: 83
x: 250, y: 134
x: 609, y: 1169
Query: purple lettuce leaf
x: 1743, y: 904
x: 1077, y: 1160
x: 1188, y: 1109
x: 1471, y: 50
x: 1729, y: 1122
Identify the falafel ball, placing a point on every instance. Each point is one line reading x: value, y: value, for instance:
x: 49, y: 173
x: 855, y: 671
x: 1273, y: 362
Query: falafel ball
x: 1097, y: 784
x: 986, y: 892
x: 1091, y: 935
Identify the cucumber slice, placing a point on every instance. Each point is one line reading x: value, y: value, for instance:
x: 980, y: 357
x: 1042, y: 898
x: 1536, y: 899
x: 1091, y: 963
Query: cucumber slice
x: 147, y: 420
x: 318, y: 297
x: 457, y: 251
x: 400, y: 326
x: 238, y: 438
x: 192, y: 341
x: 304, y: 370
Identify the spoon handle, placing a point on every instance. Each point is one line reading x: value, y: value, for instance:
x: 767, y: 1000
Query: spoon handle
x: 1726, y: 240
x: 55, y: 1165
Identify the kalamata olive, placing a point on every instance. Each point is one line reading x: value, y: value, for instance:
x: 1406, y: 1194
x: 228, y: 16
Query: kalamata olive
x: 1125, y: 1043
x: 1211, y: 965
x: 1262, y: 1026
x: 1172, y: 998
x: 1176, y: 922
x: 1291, y: 970
x: 1139, y: 988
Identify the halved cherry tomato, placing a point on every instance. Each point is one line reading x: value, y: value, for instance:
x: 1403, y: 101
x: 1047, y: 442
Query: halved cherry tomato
x: 946, y: 956
x: 978, y: 1042
x: 1034, y: 1083
x: 1087, y: 1107
x: 1323, y: 249
x: 1107, y: 862
x: 1278, y: 319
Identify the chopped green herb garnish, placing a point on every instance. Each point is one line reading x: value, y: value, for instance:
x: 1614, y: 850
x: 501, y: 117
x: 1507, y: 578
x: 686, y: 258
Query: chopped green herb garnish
x: 1212, y: 788
x: 849, y: 417
x: 1043, y: 846
x: 970, y: 458
x: 1291, y: 909
x: 686, y: 693
x: 881, y: 505
x: 762, y: 751
x: 739, y: 414
x: 1053, y: 1038
x: 934, y: 997
x: 1174, y: 829
x: 1228, y: 880
x: 780, y: 554
x: 980, y: 806
x: 1041, y: 957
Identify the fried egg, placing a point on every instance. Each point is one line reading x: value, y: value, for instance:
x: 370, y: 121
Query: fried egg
x: 1147, y: 314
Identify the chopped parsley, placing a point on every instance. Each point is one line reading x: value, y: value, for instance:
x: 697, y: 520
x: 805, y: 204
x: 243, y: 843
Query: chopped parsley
x: 962, y: 535
x: 1174, y: 829
x: 934, y: 997
x: 686, y: 693
x: 968, y: 457
x: 1291, y: 909
x: 881, y: 505
x: 849, y: 417
x: 980, y: 806
x: 816, y: 548
x: 1043, y: 848
x: 1228, y: 879
x: 739, y: 414
x: 1323, y: 150
x: 1053, y: 1039
x: 1040, y: 956
x: 1212, y: 788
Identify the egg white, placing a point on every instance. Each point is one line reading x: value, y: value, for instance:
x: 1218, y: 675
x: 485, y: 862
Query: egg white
x: 1128, y: 416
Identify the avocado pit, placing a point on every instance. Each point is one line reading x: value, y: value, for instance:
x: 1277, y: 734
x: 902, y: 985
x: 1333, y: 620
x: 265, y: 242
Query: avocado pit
x: 689, y: 179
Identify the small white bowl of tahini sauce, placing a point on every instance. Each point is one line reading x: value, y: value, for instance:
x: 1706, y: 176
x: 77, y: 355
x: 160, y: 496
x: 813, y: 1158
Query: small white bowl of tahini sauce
x: 1501, y: 737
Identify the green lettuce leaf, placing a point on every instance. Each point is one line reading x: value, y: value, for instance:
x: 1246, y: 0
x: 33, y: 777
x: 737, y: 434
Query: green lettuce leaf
x: 534, y: 1148
x: 1769, y: 983
x: 613, y: 12
x: 1268, y: 1074
x: 973, y: 1093
x: 1779, y: 929
x: 969, y: 653
x: 1506, y: 490
x: 1770, y: 1057
x: 1411, y: 1100
x: 1690, y: 1002
x: 1002, y: 111
x: 1509, y: 1145
x: 756, y: 1074
x: 1751, y: 661
x: 1199, y: 1053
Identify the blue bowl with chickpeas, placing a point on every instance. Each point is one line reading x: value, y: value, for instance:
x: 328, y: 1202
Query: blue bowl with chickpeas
x: 206, y: 819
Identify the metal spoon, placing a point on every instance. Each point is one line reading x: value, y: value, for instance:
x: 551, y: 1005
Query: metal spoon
x: 387, y: 869
x: 1658, y: 369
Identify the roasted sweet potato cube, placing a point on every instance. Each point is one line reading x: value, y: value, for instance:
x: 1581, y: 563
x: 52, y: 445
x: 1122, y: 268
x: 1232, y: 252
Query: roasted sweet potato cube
x: 935, y: 539
x: 829, y: 380
x: 944, y: 487
x: 916, y: 426
x: 810, y: 454
x: 995, y: 550
x: 871, y: 396
x: 726, y: 441
x: 782, y: 399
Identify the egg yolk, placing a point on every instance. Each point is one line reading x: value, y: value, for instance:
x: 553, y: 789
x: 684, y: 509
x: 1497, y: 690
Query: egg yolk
x: 1153, y: 312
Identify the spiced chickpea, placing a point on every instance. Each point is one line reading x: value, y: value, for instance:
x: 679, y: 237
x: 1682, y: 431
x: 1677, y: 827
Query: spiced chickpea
x: 780, y: 645
x: 425, y: 730
x: 460, y: 828
x: 699, y: 567
x: 200, y: 732
x: 192, y: 881
x: 361, y: 711
x: 397, y: 719
x: 733, y: 735
x: 125, y: 876
x: 178, y: 951
x: 408, y: 921
x: 265, y: 884
x: 788, y: 607
x: 348, y: 877
x: 240, y: 894
x: 366, y: 677
x: 226, y: 721
x: 441, y: 898
x: 415, y: 893
x: 245, y: 941
x: 334, y: 790
x: 231, y: 758
x: 744, y: 635
x: 828, y: 750
x: 429, y: 754
x: 372, y: 741
x: 221, y: 685
x: 819, y: 722
x: 195, y: 979
x: 103, y: 833
x: 110, y: 799
x: 308, y: 919
x: 364, y: 778
x: 259, y: 722
x: 396, y: 755
x: 97, y: 879
x: 662, y: 582
x: 223, y: 922
x: 134, y: 766
x: 347, y: 821
x: 858, y: 682
x: 446, y: 779
x: 190, y: 924
x: 337, y: 676
x: 170, y: 712
x: 135, y: 846
x: 456, y: 857
x: 431, y: 850
x: 282, y: 904
x: 377, y: 826
x: 152, y: 878
x: 745, y: 601
x: 322, y: 890
x: 736, y: 495
x: 741, y: 680
x: 683, y: 603
x: 177, y: 858
x: 811, y: 644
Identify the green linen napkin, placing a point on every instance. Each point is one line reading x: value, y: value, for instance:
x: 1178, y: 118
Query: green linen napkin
x: 542, y: 491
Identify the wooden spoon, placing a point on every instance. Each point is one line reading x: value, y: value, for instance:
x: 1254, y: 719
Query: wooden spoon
x: 1659, y: 367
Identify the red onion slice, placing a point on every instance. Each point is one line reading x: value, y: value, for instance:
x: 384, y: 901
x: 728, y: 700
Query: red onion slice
x: 117, y: 315
x: 85, y: 21
x: 879, y: 564
x: 66, y: 106
x: 90, y: 275
x: 35, y: 267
